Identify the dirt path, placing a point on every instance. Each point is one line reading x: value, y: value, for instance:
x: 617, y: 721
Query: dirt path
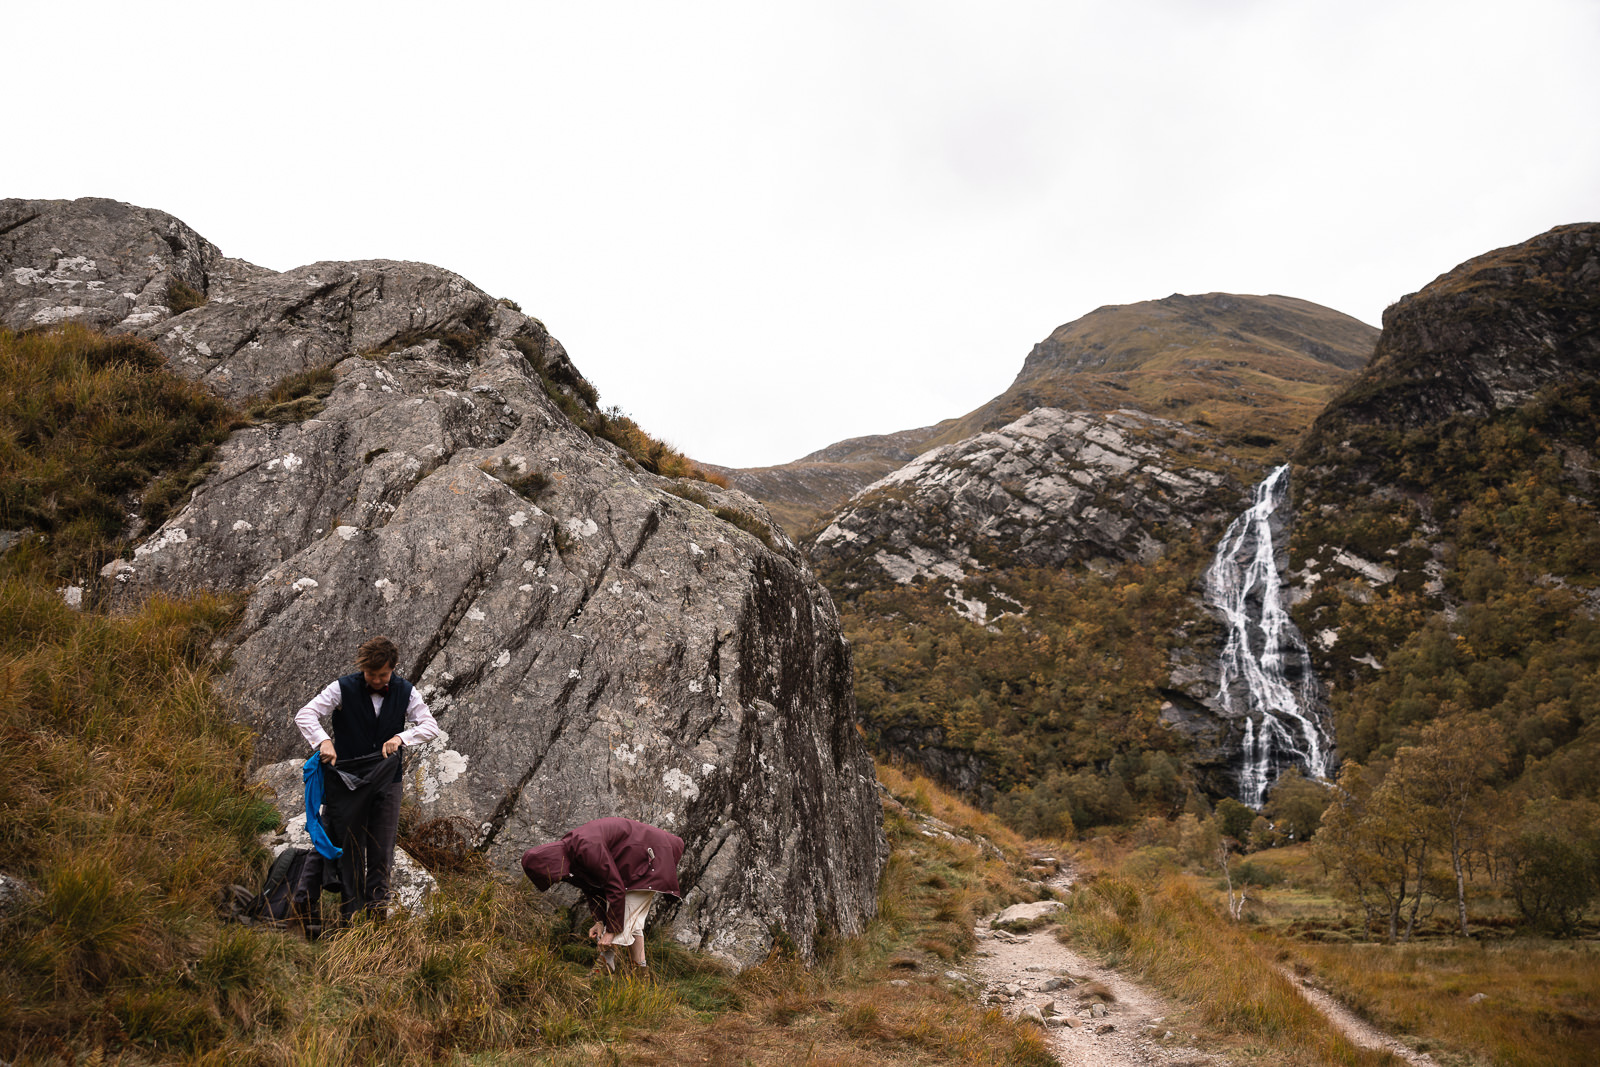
x: 1097, y: 1017
x: 1352, y: 1026
x: 1101, y: 1018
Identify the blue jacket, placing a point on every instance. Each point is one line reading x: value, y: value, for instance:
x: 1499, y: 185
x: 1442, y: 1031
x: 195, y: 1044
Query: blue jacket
x: 312, y: 773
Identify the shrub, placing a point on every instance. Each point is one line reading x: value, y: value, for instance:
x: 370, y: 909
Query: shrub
x: 1554, y: 864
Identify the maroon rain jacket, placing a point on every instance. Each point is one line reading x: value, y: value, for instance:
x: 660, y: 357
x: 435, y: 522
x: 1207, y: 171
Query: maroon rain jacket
x: 607, y: 859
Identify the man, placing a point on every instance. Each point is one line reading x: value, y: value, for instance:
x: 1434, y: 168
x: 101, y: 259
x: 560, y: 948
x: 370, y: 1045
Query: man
x: 373, y: 714
x: 619, y: 866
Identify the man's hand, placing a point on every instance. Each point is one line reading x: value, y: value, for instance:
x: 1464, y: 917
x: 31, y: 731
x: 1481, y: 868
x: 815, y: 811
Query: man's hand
x: 391, y: 746
x: 328, y: 755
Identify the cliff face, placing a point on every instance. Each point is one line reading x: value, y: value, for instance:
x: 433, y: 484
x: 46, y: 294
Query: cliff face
x: 1479, y: 401
x: 1481, y: 339
x: 591, y: 642
x: 1052, y: 489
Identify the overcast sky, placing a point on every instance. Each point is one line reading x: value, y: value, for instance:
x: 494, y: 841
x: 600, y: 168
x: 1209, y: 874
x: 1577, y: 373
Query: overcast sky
x: 760, y: 228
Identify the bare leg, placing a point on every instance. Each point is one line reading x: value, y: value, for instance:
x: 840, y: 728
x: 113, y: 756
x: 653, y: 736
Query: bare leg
x: 637, y: 949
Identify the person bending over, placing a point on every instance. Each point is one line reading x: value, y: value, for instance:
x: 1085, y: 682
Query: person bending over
x: 619, y: 866
x: 373, y: 713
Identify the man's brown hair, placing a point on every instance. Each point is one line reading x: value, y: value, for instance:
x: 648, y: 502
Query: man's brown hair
x: 376, y: 653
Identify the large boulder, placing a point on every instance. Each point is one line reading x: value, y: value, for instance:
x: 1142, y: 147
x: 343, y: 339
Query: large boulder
x: 594, y: 639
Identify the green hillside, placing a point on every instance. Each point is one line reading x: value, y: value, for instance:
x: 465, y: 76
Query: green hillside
x: 1463, y: 462
x: 1446, y: 549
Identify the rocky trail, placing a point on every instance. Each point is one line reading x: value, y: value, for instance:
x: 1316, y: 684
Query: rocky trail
x: 1093, y: 1015
x: 1096, y: 1017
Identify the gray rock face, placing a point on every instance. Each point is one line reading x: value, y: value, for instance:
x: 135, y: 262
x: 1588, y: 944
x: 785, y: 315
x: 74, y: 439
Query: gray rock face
x: 102, y: 263
x: 1052, y: 488
x: 1484, y: 337
x: 314, y: 316
x: 591, y: 643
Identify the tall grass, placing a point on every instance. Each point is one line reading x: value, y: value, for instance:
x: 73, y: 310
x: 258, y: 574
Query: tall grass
x: 1167, y: 934
x: 87, y: 423
x: 1540, y: 1002
x: 121, y: 802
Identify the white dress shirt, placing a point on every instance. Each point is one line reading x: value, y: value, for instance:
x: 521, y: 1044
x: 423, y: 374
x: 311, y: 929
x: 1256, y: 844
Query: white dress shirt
x: 422, y: 725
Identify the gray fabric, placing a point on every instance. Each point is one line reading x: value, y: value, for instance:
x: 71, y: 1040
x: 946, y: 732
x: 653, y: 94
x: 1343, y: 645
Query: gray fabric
x: 363, y: 821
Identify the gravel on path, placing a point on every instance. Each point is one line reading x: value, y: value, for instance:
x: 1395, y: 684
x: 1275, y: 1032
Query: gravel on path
x: 1093, y: 1015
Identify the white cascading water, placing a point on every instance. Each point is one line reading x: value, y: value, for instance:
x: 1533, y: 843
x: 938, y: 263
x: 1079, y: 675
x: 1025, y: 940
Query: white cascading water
x: 1265, y: 655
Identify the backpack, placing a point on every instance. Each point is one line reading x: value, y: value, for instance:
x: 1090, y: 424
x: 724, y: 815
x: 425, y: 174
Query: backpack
x: 276, y: 899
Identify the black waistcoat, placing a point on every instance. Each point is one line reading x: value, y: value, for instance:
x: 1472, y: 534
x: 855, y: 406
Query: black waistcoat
x: 356, y: 731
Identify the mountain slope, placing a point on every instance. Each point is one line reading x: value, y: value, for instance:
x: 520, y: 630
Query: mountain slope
x: 1252, y: 370
x: 1447, y: 539
x: 798, y: 494
x: 1248, y: 367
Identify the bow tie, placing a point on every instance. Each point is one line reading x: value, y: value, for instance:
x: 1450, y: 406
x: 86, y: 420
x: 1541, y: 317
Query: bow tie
x: 376, y: 691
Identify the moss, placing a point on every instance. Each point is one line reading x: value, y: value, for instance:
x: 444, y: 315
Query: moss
x: 295, y: 398
x: 748, y: 523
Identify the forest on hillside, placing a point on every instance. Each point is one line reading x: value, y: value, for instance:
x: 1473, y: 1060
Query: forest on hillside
x: 1465, y: 693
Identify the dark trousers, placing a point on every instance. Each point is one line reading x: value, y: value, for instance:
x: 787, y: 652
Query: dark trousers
x: 362, y: 821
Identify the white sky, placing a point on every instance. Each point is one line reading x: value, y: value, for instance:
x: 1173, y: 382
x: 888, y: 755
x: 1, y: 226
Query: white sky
x: 760, y: 228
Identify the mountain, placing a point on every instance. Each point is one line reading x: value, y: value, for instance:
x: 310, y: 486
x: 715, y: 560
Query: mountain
x: 1446, y: 543
x: 1021, y: 594
x: 799, y: 493
x: 593, y: 638
x: 1039, y: 613
x: 1251, y: 370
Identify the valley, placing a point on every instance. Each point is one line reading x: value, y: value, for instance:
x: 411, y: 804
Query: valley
x: 1282, y: 634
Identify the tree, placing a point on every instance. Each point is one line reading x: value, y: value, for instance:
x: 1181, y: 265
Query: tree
x: 1374, y: 839
x: 1296, y: 804
x: 1234, y: 818
x: 1447, y: 777
x: 1553, y: 862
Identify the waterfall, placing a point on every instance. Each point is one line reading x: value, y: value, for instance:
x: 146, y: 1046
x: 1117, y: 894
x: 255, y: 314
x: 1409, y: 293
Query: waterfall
x: 1265, y: 660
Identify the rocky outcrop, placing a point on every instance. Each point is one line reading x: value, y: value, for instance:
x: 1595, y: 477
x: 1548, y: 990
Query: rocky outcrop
x: 1509, y: 339
x: 107, y: 265
x: 1482, y: 338
x: 594, y: 640
x: 1051, y: 489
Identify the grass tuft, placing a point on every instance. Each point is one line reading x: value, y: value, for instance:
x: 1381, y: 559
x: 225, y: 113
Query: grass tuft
x: 87, y: 423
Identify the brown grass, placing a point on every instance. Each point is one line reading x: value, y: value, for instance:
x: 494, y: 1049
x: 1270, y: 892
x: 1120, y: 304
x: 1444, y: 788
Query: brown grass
x: 87, y: 422
x: 1166, y: 933
x: 1541, y: 1003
